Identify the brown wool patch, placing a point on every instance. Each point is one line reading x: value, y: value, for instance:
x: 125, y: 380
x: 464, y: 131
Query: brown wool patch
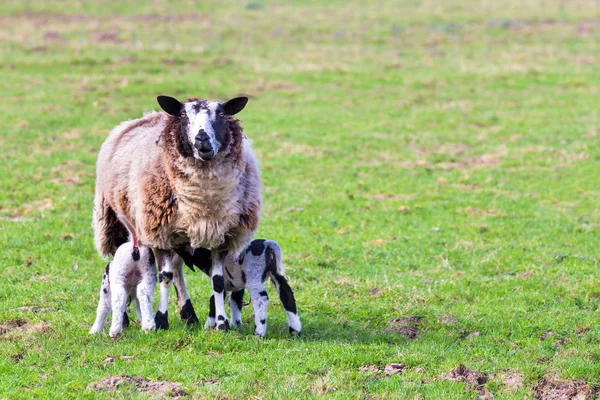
x: 112, y: 230
x: 160, y: 205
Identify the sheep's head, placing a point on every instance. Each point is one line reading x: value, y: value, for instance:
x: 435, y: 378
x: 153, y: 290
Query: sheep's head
x: 203, y: 122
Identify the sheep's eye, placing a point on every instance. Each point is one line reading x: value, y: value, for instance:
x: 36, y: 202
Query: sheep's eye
x: 182, y: 115
x: 221, y: 114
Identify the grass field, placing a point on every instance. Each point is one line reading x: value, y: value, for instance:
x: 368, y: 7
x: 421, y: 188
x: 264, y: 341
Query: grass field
x: 430, y: 169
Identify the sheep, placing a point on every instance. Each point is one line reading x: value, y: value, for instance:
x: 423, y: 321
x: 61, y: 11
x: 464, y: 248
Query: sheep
x: 131, y: 275
x: 185, y: 176
x: 260, y: 259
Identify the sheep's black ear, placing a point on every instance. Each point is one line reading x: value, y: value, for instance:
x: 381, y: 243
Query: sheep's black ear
x: 170, y: 105
x: 234, y: 106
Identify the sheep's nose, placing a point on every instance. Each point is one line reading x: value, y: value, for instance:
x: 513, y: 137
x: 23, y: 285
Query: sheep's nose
x: 202, y: 144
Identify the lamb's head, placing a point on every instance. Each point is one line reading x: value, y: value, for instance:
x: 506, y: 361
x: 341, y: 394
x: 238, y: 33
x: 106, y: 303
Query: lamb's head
x: 203, y: 122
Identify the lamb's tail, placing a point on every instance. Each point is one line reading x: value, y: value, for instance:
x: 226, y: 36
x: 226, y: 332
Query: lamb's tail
x: 135, y: 251
x: 273, y: 258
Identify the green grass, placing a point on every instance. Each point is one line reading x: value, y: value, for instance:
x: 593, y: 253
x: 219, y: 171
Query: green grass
x: 418, y: 159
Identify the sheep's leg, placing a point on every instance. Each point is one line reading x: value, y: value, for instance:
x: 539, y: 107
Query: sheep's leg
x: 218, y: 288
x: 186, y: 309
x: 210, y: 321
x: 103, y: 306
x: 286, y: 295
x: 260, y: 302
x: 235, y: 305
x: 165, y: 277
x: 145, y: 289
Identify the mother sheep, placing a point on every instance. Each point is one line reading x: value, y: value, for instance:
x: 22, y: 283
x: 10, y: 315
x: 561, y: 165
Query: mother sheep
x: 187, y: 176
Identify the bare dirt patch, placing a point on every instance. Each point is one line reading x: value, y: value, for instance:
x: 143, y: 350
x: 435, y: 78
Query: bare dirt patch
x: 393, y: 369
x: 108, y: 37
x: 387, y: 370
x: 553, y: 388
x: 473, y: 379
x: 152, y: 388
x: 53, y: 36
x: 406, y: 326
x: 477, y: 212
x: 11, y: 325
x: 321, y: 386
x: 369, y: 368
x: 512, y: 380
x: 32, y: 308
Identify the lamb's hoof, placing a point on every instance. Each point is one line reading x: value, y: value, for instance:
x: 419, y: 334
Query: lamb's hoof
x: 223, y: 326
x: 95, y: 331
x: 149, y: 327
x: 260, y: 331
x: 294, y: 332
x: 115, y: 335
x: 162, y: 320
x: 237, y: 323
x: 187, y: 313
x: 125, y: 320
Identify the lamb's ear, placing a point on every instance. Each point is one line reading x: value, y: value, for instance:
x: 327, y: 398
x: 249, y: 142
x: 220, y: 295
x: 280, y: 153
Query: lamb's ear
x: 170, y: 105
x: 234, y: 106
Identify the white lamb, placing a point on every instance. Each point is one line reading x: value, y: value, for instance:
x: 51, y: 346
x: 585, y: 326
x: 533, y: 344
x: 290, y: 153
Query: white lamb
x: 129, y: 277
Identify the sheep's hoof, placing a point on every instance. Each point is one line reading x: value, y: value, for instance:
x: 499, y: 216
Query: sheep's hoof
x: 187, y: 313
x: 294, y: 332
x: 237, y: 323
x: 223, y: 326
x: 162, y: 320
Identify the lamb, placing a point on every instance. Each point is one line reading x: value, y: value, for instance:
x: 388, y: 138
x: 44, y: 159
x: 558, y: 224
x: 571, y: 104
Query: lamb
x: 186, y: 176
x: 260, y: 259
x: 131, y: 275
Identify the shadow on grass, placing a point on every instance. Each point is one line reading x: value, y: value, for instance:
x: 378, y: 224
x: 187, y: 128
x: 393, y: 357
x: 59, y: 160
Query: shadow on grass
x: 322, y: 329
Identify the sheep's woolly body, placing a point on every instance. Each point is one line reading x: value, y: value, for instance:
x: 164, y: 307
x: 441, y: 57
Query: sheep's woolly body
x: 171, y: 199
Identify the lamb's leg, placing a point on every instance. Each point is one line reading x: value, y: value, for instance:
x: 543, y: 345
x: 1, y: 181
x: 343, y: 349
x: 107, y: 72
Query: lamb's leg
x: 119, y: 305
x: 103, y: 305
x: 138, y: 310
x: 260, y: 302
x: 165, y: 277
x: 186, y: 309
x: 275, y: 270
x: 218, y: 288
x: 145, y: 289
x: 286, y: 295
x: 210, y: 321
x: 235, y: 305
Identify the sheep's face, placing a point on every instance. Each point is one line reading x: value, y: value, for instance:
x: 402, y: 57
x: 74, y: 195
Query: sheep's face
x: 203, y: 122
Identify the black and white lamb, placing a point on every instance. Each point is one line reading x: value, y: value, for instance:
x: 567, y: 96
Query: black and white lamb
x: 186, y: 176
x: 261, y: 259
x: 129, y: 277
